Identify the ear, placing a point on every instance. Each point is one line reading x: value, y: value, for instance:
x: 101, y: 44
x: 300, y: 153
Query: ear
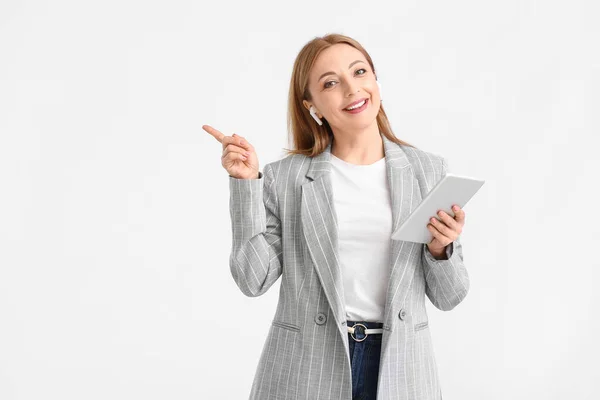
x: 306, y: 104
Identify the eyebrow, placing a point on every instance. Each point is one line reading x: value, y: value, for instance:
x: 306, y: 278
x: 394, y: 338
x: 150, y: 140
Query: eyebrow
x: 333, y: 73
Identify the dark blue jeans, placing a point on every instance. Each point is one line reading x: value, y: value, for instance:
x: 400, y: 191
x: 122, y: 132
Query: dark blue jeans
x: 364, y: 357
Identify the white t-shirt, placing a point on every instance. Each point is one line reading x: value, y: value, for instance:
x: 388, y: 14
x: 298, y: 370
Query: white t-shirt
x: 362, y: 203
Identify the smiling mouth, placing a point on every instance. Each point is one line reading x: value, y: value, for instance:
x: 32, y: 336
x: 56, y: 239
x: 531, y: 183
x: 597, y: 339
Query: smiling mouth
x: 358, y: 109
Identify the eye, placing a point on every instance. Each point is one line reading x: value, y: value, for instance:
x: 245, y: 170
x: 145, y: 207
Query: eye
x: 360, y: 69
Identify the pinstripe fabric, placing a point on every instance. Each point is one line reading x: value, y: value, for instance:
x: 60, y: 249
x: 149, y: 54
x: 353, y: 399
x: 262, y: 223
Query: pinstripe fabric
x: 284, y: 224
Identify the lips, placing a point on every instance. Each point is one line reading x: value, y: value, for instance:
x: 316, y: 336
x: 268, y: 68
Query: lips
x: 354, y: 103
x: 358, y: 110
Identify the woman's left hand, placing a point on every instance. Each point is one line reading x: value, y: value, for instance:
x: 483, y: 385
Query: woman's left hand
x: 445, y: 231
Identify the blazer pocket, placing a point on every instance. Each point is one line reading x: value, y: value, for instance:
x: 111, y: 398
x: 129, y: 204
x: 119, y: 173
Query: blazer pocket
x: 285, y: 325
x: 421, y: 325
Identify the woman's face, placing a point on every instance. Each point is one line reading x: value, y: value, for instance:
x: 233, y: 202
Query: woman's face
x: 340, y: 76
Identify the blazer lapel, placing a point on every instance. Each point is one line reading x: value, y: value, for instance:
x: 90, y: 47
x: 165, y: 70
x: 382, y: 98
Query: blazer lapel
x: 320, y: 225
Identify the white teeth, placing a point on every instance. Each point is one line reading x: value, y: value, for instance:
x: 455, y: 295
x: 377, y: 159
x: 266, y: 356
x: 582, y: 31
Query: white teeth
x: 356, y: 106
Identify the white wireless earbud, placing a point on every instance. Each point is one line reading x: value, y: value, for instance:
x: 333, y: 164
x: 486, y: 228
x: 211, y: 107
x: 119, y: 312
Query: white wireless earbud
x: 379, y: 84
x: 314, y: 115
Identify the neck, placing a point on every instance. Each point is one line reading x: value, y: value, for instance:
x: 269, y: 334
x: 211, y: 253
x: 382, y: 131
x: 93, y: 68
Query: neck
x: 358, y: 147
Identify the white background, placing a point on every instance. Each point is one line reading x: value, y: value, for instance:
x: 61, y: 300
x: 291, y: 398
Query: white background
x: 115, y: 230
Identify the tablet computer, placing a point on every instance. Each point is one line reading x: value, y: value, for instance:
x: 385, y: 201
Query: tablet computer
x: 451, y: 189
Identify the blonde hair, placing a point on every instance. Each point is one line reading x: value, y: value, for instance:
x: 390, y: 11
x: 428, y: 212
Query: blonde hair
x: 308, y: 137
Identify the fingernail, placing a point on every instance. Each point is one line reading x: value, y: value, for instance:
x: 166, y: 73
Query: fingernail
x: 242, y: 143
x: 455, y: 208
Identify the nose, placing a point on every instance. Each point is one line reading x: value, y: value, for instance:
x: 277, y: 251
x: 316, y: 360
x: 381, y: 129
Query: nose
x: 352, y: 87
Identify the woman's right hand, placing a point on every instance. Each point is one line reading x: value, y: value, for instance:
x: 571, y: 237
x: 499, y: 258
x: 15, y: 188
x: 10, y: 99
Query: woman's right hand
x: 239, y: 158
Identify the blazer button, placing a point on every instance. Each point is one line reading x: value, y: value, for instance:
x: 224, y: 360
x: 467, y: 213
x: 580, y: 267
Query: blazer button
x: 402, y: 314
x: 320, y: 318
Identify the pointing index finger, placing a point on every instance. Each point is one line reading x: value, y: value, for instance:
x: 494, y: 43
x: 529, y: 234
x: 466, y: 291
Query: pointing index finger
x: 214, y: 132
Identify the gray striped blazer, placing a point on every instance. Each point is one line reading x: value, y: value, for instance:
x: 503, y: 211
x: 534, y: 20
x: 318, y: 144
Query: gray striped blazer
x: 284, y: 224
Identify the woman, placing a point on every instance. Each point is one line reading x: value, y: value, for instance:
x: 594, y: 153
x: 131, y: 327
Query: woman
x: 351, y: 321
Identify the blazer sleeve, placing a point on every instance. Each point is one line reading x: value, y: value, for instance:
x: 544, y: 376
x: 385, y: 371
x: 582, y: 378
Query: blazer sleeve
x: 447, y: 281
x: 256, y: 255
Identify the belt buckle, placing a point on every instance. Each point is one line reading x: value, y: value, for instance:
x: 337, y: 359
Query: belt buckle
x: 352, y: 333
